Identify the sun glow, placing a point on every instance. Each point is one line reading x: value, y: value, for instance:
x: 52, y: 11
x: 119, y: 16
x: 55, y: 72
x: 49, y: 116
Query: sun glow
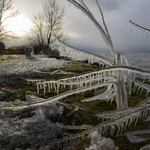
x: 19, y: 25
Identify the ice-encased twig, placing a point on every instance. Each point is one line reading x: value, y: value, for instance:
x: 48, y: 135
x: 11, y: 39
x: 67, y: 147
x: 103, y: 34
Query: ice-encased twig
x: 144, y: 102
x: 108, y: 94
x: 134, y: 137
x: 117, y: 113
x: 69, y: 127
x: 72, y: 112
x: 50, y: 100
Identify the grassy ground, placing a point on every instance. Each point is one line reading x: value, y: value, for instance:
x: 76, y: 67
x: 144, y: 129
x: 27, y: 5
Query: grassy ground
x: 78, y: 67
x: 17, y: 88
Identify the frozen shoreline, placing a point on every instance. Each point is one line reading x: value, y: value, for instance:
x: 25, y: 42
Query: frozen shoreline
x: 17, y: 64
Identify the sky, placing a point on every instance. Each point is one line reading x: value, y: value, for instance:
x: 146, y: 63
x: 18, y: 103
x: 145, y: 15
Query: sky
x: 82, y: 32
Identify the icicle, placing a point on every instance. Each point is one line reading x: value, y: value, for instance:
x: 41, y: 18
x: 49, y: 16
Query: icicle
x: 40, y: 85
x: 48, y: 87
x: 104, y: 74
x: 144, y: 78
x: 144, y: 113
x: 144, y: 34
x: 135, y: 30
x: 51, y: 85
x: 147, y: 93
x: 44, y: 87
x: 138, y: 90
x: 134, y: 89
x: 54, y: 86
x: 141, y: 32
x: 129, y: 26
x: 58, y: 85
x: 37, y: 88
x: 141, y: 91
x: 112, y: 129
x: 136, y: 119
x: 149, y: 78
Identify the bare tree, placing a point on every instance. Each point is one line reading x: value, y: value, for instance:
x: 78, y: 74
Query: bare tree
x: 49, y: 21
x: 6, y: 12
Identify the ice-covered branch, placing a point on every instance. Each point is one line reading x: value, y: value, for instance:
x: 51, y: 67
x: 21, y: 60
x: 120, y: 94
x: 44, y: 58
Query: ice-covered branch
x: 72, y: 52
x: 96, y: 76
x: 102, y: 31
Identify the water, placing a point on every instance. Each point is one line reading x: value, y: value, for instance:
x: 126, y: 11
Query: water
x: 137, y: 60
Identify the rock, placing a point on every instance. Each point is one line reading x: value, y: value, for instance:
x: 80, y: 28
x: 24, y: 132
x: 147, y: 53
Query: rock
x: 2, y: 94
x: 101, y: 143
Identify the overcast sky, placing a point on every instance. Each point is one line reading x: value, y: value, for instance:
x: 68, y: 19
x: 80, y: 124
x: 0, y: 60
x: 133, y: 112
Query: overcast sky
x: 84, y: 34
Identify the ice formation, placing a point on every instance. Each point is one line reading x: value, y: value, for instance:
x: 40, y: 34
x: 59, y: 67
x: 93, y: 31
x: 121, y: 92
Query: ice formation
x: 100, y: 78
x: 138, y: 29
x: 78, y: 54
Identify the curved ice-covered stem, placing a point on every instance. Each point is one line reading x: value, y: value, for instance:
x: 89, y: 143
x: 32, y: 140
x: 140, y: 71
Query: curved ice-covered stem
x: 69, y: 127
x: 104, y: 33
x: 54, y: 99
x: 74, y: 53
x: 141, y: 85
x: 108, y: 94
x: 106, y: 74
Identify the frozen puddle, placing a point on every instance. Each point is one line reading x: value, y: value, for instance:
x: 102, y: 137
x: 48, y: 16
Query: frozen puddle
x: 19, y: 64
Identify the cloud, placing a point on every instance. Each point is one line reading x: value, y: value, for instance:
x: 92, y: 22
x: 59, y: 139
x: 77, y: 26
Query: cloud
x: 84, y: 34
x: 117, y: 15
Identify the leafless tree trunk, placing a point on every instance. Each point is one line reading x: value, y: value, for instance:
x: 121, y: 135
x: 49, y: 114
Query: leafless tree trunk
x: 6, y: 12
